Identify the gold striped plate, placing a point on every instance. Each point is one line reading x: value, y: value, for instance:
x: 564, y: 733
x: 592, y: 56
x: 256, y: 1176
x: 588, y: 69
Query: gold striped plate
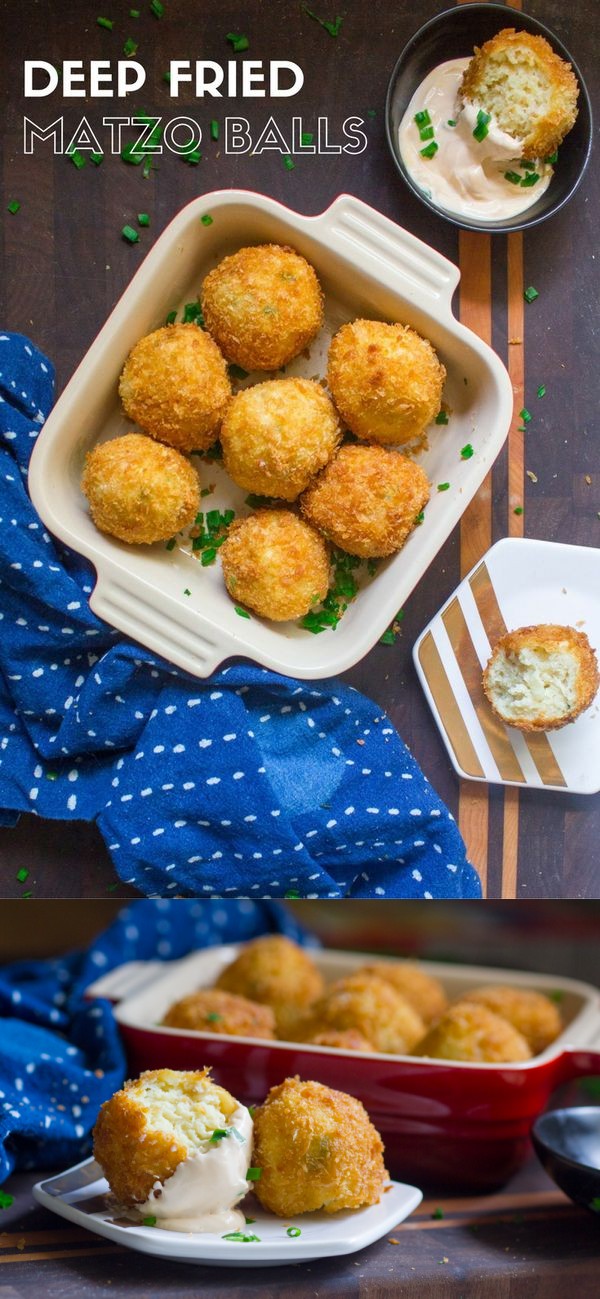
x: 518, y: 582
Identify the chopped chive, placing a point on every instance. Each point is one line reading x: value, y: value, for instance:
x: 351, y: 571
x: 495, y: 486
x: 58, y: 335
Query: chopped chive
x: 108, y: 23
x: 207, y: 491
x: 331, y: 26
x: 132, y: 155
x: 242, y: 613
x: 371, y: 112
x: 443, y: 487
x: 467, y: 451
x: 482, y: 125
x: 253, y: 1174
x: 245, y: 1239
x: 388, y: 638
x: 13, y: 207
x: 238, y: 42
x: 419, y: 517
x: 450, y: 122
x: 77, y: 159
x: 525, y: 415
x: 518, y: 509
x: 150, y: 1221
x: 6, y: 1200
x: 129, y: 47
x: 426, y: 133
x: 292, y: 894
x: 214, y: 129
x: 437, y: 1214
x: 219, y: 1133
x: 531, y: 294
x: 170, y: 545
x: 288, y: 162
x: 193, y: 157
x: 171, y: 318
x: 557, y: 996
x: 51, y: 775
x: 167, y: 77
x: 552, y: 158
x: 294, y: 1231
x: 423, y: 118
x: 529, y: 180
x: 250, y: 1221
x: 526, y: 164
x: 513, y: 177
x: 147, y: 168
x: 442, y: 417
x: 29, y: 894
x: 208, y: 556
x: 143, y: 219
x: 192, y: 314
x: 206, y: 219
x: 541, y: 392
x: 22, y: 874
x: 237, y: 371
x: 130, y: 235
x: 187, y: 591
x: 157, y: 8
x: 134, y: 13
x: 307, y: 137
x: 233, y: 1132
x: 96, y: 158
x: 430, y: 150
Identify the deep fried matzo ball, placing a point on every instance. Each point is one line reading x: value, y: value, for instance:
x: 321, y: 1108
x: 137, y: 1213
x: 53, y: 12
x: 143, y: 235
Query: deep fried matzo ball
x: 138, y: 490
x: 367, y: 500
x: 214, y: 1011
x: 344, y: 1039
x: 276, y: 564
x: 372, y: 1006
x: 277, y: 435
x: 386, y: 380
x: 153, y: 1124
x: 474, y: 1033
x: 317, y: 1149
x: 425, y: 994
x: 275, y: 972
x: 263, y: 305
x: 530, y: 90
x: 175, y: 385
x: 539, y: 678
x: 534, y: 1015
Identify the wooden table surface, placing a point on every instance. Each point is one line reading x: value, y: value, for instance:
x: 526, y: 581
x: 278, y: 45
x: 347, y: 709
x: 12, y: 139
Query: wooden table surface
x: 527, y: 1242
x: 65, y: 265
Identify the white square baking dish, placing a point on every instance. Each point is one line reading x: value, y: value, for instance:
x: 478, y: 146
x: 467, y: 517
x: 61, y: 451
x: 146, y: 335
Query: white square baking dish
x: 369, y: 267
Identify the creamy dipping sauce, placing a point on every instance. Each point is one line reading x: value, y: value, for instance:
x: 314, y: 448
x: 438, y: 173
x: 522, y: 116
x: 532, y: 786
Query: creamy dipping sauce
x: 202, y: 1193
x: 465, y: 176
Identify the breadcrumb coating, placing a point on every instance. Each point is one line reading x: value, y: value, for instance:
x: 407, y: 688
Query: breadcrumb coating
x: 374, y: 1008
x: 263, y: 305
x: 367, y: 500
x: 275, y: 564
x: 473, y: 1033
x: 138, y: 490
x: 152, y: 1124
x: 317, y: 1149
x: 277, y: 435
x: 213, y: 1011
x: 175, y: 385
x: 530, y: 90
x: 344, y: 1039
x: 276, y: 972
x: 534, y: 1015
x: 425, y: 994
x: 539, y: 678
x: 386, y: 381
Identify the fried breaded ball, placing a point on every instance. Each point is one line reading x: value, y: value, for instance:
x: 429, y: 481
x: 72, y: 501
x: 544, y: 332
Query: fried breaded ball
x: 386, y: 380
x: 530, y: 90
x: 534, y: 1015
x: 276, y: 564
x: 539, y: 678
x: 277, y: 435
x: 263, y: 305
x: 372, y: 1006
x: 275, y: 972
x: 138, y: 490
x: 424, y: 993
x: 214, y: 1011
x: 344, y: 1039
x: 471, y: 1032
x: 175, y: 385
x: 154, y: 1123
x: 317, y: 1149
x: 367, y: 500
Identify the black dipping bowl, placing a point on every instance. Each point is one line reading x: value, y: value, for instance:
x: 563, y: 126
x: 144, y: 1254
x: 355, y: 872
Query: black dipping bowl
x: 453, y: 34
x: 567, y: 1143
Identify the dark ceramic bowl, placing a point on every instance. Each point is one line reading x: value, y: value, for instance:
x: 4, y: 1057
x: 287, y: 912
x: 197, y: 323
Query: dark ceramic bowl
x: 567, y: 1143
x: 453, y: 34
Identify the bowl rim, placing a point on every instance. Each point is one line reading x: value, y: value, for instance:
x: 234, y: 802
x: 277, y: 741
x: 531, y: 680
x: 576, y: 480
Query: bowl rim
x: 576, y: 1164
x: 486, y: 227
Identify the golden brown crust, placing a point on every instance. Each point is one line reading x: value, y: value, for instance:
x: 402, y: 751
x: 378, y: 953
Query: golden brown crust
x: 548, y: 127
x: 139, y: 490
x: 367, y: 500
x: 424, y: 993
x: 473, y: 1033
x: 175, y: 384
x: 263, y: 305
x: 276, y: 564
x: 385, y: 379
x: 374, y: 1008
x: 548, y: 637
x: 213, y: 1011
x: 344, y: 1039
x: 277, y: 435
x: 275, y: 972
x: 534, y: 1015
x: 317, y: 1149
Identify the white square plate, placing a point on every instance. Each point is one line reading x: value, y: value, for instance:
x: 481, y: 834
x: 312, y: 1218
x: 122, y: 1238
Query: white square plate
x: 82, y: 1195
x: 518, y: 583
x: 368, y: 267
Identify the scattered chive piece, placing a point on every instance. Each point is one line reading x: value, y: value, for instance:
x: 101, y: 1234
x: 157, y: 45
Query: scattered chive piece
x: 167, y: 77
x: 214, y: 129
x: 13, y: 207
x: 193, y: 157
x: 22, y: 874
x: 239, y: 1235
x: 252, y: 1110
x: 288, y: 162
x: 526, y: 164
x: 557, y: 996
x: 132, y: 155
x: 170, y: 545
x: 443, y: 487
x: 130, y: 235
x: 192, y: 314
x: 147, y: 168
x: 419, y: 517
x: 253, y: 1174
x: 525, y: 415
x: 292, y: 894
x: 531, y: 294
x: 171, y: 318
x: 157, y: 8
x: 430, y: 150
x: 207, y: 491
x: 294, y: 1231
x: 513, y: 177
x: 29, y: 894
x: 237, y: 371
x: 51, y: 775
x: 518, y: 509
x: 467, y: 451
x: 242, y: 613
x: 371, y: 112
x: 150, y: 1221
x: 437, y: 1214
x: 333, y: 27
x: 388, y: 638
x: 307, y: 137
x: 134, y: 13
x: 214, y: 1016
x: 482, y: 126
x: 239, y: 43
x: 595, y: 1204
x: 249, y: 1221
x: 206, y: 219
x: 6, y: 1200
x: 541, y: 392
x: 423, y: 118
x: 450, y: 122
x: 96, y: 158
x: 553, y: 157
x: 129, y: 47
x: 219, y: 1133
x: 187, y: 591
x: 77, y: 159
x: 426, y: 133
x: 529, y: 180
x: 442, y: 417
x: 110, y: 888
x: 143, y: 219
x: 106, y: 22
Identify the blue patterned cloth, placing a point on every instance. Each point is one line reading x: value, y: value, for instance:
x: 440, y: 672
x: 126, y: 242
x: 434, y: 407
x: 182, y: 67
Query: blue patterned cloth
x: 61, y: 1056
x: 248, y: 784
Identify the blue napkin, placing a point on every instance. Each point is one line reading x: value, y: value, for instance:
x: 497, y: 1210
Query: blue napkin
x: 249, y: 784
x: 61, y: 1056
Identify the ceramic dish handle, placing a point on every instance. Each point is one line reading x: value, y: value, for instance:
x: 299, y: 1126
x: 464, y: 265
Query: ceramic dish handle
x: 412, y: 268
x: 125, y: 980
x: 581, y: 1061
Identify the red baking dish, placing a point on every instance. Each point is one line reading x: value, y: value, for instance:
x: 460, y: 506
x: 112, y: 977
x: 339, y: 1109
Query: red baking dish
x: 445, y: 1125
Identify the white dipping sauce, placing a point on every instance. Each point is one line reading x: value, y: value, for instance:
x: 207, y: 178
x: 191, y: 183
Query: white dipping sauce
x: 201, y: 1194
x: 464, y: 177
